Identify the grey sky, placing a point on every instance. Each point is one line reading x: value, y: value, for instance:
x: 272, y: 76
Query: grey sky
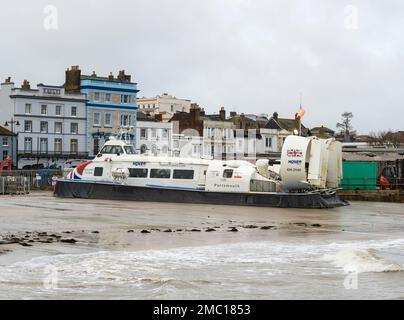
x: 252, y: 56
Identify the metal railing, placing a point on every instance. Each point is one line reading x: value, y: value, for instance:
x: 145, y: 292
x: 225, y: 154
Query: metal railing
x: 35, y: 178
x: 14, y: 185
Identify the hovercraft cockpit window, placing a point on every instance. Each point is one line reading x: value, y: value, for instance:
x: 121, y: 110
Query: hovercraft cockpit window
x: 130, y: 150
x: 112, y: 150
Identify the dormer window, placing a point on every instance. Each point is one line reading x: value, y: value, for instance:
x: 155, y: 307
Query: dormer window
x: 53, y: 92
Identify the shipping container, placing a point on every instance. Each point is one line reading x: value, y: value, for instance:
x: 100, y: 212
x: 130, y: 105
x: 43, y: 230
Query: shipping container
x: 359, y: 175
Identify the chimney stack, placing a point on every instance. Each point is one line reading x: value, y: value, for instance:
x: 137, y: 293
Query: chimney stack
x: 72, y: 80
x: 233, y: 114
x: 111, y: 77
x: 222, y: 113
x: 123, y: 77
x: 195, y: 112
x: 26, y: 85
x: 275, y: 115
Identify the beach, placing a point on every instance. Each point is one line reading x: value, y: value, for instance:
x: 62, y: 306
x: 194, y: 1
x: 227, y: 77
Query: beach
x: 134, y: 250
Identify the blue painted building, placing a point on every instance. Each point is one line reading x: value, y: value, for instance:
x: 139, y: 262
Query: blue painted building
x: 8, y: 145
x: 111, y: 104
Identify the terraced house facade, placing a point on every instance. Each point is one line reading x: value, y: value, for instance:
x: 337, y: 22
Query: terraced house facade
x: 50, y: 123
x: 110, y: 105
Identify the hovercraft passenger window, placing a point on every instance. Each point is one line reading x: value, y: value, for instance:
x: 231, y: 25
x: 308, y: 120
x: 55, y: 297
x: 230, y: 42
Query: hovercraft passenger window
x: 183, y: 174
x: 227, y: 173
x: 160, y: 173
x: 137, y: 173
x: 98, y: 171
x: 129, y: 149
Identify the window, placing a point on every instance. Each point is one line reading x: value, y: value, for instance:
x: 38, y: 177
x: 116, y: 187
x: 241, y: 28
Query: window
x: 27, y: 145
x: 143, y: 133
x: 227, y: 173
x: 58, y: 145
x: 165, y: 133
x: 108, y: 120
x: 74, y: 111
x: 44, y: 127
x: 43, y: 146
x: 58, y: 110
x: 74, y: 128
x: 124, y: 98
x: 58, y: 127
x: 5, y: 154
x: 172, y: 108
x: 5, y: 141
x: 153, y: 133
x: 183, y: 174
x: 96, y: 96
x: 96, y: 119
x: 138, y: 173
x: 112, y: 150
x: 28, y: 126
x: 108, y: 97
x: 125, y: 120
x: 160, y: 173
x: 44, y: 109
x: 154, y: 150
x: 51, y: 91
x: 28, y: 108
x: 129, y: 150
x: 268, y: 142
x: 98, y: 171
x: 73, y: 145
x: 143, y: 149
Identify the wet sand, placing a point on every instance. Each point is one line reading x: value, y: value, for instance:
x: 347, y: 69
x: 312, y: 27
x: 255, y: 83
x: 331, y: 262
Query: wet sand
x: 109, y: 225
x: 126, y: 226
x: 101, y: 224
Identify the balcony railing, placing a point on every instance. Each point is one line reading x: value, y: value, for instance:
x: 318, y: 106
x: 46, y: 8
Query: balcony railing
x: 53, y: 154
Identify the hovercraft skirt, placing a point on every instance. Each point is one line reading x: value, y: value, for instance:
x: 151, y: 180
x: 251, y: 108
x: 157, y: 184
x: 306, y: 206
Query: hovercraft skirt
x: 110, y: 191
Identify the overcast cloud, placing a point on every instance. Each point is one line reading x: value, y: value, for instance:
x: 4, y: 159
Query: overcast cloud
x: 252, y: 56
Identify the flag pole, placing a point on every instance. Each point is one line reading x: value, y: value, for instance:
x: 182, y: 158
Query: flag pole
x: 300, y: 120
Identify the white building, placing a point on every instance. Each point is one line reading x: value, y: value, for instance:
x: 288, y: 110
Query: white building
x: 271, y: 140
x: 218, y: 138
x: 153, y: 137
x: 166, y: 105
x: 50, y: 124
x: 187, y: 146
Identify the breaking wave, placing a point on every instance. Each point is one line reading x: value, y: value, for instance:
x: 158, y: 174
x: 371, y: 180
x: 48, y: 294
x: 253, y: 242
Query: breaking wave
x: 362, y: 260
x: 253, y: 269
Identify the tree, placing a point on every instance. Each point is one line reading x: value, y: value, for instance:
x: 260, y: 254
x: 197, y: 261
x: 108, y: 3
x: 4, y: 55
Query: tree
x: 346, y: 124
x: 384, y: 138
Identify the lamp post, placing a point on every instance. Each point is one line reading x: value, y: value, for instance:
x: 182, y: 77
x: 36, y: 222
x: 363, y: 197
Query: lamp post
x: 11, y: 123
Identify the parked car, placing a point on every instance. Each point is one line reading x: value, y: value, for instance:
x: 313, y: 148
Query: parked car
x: 73, y: 163
x: 34, y: 166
